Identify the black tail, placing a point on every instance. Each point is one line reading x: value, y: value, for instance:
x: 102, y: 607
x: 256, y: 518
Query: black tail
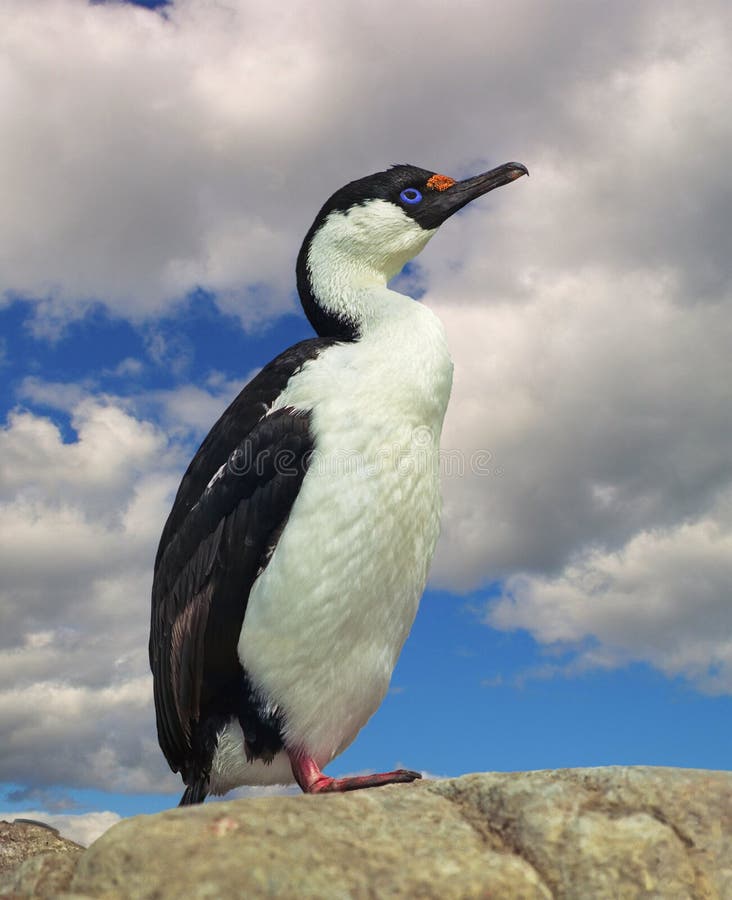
x: 195, y: 793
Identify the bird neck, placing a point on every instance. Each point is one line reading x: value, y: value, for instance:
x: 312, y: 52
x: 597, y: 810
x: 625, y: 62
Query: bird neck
x: 341, y: 296
x: 342, y: 281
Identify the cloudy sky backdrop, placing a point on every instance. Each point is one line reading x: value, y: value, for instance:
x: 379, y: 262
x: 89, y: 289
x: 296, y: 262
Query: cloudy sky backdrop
x: 158, y: 171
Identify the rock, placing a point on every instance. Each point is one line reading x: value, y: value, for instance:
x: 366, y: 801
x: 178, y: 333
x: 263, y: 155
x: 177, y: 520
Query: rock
x: 578, y: 833
x: 611, y: 832
x: 34, y: 859
x: 47, y: 875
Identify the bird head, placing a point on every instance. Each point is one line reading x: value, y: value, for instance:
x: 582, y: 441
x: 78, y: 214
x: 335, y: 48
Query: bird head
x: 370, y: 228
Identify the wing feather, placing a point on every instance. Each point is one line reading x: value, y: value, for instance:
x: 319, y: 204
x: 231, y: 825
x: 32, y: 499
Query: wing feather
x: 205, y: 572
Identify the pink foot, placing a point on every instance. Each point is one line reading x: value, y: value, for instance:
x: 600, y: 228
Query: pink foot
x: 313, y: 781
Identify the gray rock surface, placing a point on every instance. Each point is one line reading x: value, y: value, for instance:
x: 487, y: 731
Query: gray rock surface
x: 587, y: 834
x: 34, y: 859
x: 23, y: 838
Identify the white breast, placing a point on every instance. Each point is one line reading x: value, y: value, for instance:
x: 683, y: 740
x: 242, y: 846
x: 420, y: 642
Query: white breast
x: 328, y: 617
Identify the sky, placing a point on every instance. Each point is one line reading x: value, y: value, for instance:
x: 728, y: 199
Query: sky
x: 160, y: 167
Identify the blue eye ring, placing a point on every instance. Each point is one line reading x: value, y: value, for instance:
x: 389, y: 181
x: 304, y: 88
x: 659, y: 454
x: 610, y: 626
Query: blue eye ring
x: 410, y: 195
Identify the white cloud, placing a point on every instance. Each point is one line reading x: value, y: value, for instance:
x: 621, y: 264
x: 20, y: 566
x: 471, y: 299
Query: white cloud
x: 111, y: 448
x: 151, y: 154
x: 185, y: 411
x: 604, y: 403
x: 663, y: 598
x: 189, y: 407
x: 147, y: 167
x: 600, y: 421
x: 129, y: 367
x: 84, y: 828
x: 80, y: 521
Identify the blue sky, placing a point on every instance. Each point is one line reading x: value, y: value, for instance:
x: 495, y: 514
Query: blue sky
x: 579, y: 609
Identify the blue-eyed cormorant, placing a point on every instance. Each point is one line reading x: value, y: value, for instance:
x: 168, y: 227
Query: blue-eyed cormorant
x: 292, y: 563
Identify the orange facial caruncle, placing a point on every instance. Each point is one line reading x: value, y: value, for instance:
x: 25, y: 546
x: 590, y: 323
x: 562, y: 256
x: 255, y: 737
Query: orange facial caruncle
x: 440, y: 182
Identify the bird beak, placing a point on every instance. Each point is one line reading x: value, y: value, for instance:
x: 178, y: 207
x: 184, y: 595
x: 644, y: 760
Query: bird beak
x: 458, y: 195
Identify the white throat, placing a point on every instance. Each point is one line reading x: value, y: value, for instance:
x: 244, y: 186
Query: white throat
x: 353, y: 255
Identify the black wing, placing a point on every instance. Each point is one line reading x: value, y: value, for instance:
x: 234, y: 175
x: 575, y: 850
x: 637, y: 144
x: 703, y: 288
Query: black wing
x: 230, y: 509
x: 233, y: 426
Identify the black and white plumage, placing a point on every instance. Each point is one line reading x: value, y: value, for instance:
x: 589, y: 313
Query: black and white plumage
x: 292, y: 563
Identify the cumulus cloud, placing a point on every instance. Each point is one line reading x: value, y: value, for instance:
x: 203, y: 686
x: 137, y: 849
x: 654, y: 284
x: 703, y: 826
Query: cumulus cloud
x: 80, y: 520
x: 132, y: 181
x: 600, y: 422
x: 663, y: 598
x: 184, y: 411
x: 156, y: 153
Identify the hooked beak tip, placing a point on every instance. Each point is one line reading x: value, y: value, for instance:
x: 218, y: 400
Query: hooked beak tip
x: 517, y: 170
